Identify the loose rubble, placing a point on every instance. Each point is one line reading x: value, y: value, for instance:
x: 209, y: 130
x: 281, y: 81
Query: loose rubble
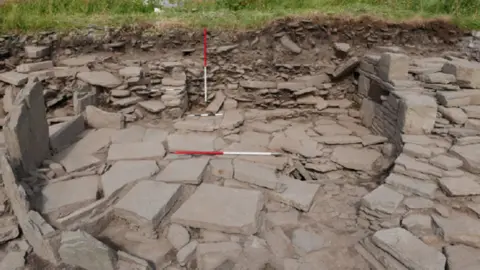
x: 379, y: 164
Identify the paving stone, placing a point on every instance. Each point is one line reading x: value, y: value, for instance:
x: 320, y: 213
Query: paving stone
x: 417, y: 151
x: 410, y: 185
x: 135, y: 150
x: 454, y: 115
x: 378, y: 258
x: 418, y: 224
x: 67, y: 133
x: 191, y: 141
x: 285, y: 220
x: 100, y: 78
x: 338, y: 139
x: 13, y: 260
x: 346, y: 68
x: 148, y: 202
x: 222, y: 168
x: 308, y: 241
x: 438, y: 78
x: 460, y: 186
x: 187, y: 253
x: 223, y: 209
x: 418, y: 203
x: 459, y: 229
x: 411, y: 164
x: 472, y: 111
x: 460, y: 257
x: 97, y: 118
x: 178, y: 236
x: 419, y: 113
x: 177, y: 172
x: 469, y: 155
x: 155, y: 135
x: 14, y: 78
x: 213, y: 255
x: 292, y: 144
x: 409, y: 250
x: 457, y: 98
x: 78, y: 248
x: 202, y: 124
x: 290, y: 45
x: 373, y: 139
x: 65, y: 196
x: 129, y: 135
x: 446, y: 162
x: 153, y: 106
x: 125, y: 172
x: 355, y: 159
x: 232, y: 119
x: 332, y: 130
x: 297, y: 194
x: 383, y: 199
x: 255, y: 174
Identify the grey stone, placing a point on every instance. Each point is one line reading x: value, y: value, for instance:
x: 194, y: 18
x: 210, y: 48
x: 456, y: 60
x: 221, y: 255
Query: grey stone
x: 346, y: 68
x: 290, y: 45
x: 383, y: 199
x: 417, y: 113
x: 120, y: 93
x: 8, y: 228
x: 135, y: 151
x: 410, y: 185
x: 202, y: 124
x: 223, y: 209
x: 177, y: 172
x: 213, y: 255
x: 252, y: 173
x: 418, y: 224
x: 308, y: 241
x: 13, y: 260
x: 458, y: 98
x: 459, y: 229
x: 14, y: 78
x: 147, y: 203
x: 297, y: 194
x: 187, y: 253
x: 131, y: 72
x: 31, y: 67
x: 418, y: 203
x: 178, y: 236
x: 279, y: 243
x: 454, y: 115
x: 460, y: 186
x: 338, y: 139
x: 460, y: 257
x: 469, y: 155
x: 36, y: 51
x: 67, y: 134
x: 258, y: 84
x: 409, y: 250
x: 417, y: 151
x: 78, y: 248
x: 232, y: 119
x: 373, y: 139
x: 153, y: 106
x: 125, y: 102
x: 393, y: 66
x: 100, y: 78
x: 97, y: 118
x: 83, y: 98
x: 284, y: 220
x: 467, y: 73
x: 125, y: 172
x: 446, y: 162
x: 222, y: 168
x: 411, y: 164
x: 472, y: 111
x: 191, y: 141
x: 355, y: 159
x: 130, y: 134
x: 217, y: 103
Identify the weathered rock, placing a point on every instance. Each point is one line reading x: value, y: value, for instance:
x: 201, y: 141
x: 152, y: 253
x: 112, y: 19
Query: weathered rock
x: 409, y: 250
x: 148, y: 202
x: 223, y: 209
x: 455, y: 115
x: 383, y: 199
x: 100, y: 78
x: 297, y: 194
x: 135, y: 151
x: 14, y: 78
x: 191, y: 141
x: 217, y: 103
x: 460, y: 186
x: 460, y: 257
x: 36, y: 51
x: 255, y: 174
x: 469, y: 155
x: 232, y: 119
x: 346, y: 68
x: 417, y: 151
x: 467, y: 73
x: 413, y: 186
x: 418, y: 224
x: 459, y: 229
x: 153, y: 106
x: 178, y: 236
x: 417, y: 113
x: 279, y: 243
x: 176, y: 172
x: 97, y: 118
x: 81, y: 249
x: 8, y: 228
x: 393, y: 66
x: 446, y: 162
x: 289, y: 44
x: 355, y: 159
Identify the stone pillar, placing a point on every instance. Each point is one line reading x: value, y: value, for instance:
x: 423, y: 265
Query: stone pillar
x: 175, y: 95
x: 26, y: 129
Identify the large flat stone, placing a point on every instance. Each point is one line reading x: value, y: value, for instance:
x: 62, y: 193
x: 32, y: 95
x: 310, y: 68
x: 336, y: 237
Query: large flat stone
x: 462, y: 257
x: 125, y: 172
x: 459, y: 229
x: 383, y: 199
x: 78, y: 248
x: 221, y: 209
x: 184, y: 171
x: 412, y: 186
x: 252, y: 173
x: 467, y: 73
x: 297, y: 194
x: 63, y: 197
x: 417, y: 113
x: 460, y: 186
x: 100, y: 78
x: 136, y: 150
x: 355, y: 159
x: 409, y: 250
x: 191, y: 141
x: 469, y: 155
x: 148, y: 202
x: 129, y: 135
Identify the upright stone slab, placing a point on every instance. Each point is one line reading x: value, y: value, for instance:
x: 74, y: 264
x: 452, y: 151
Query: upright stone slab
x: 393, y: 66
x: 26, y: 128
x: 417, y: 114
x: 81, y: 249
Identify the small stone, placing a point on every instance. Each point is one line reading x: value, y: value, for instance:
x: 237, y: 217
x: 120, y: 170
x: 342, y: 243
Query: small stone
x: 418, y: 203
x: 14, y: 260
x: 279, y: 243
x: 216, y: 255
x: 418, y: 224
x: 290, y: 45
x: 342, y: 48
x: 36, y: 51
x: 297, y: 194
x: 97, y: 118
x: 120, y: 93
x: 131, y: 72
x: 8, y: 228
x: 373, y: 139
x: 178, y: 236
x: 232, y: 119
x: 410, y: 185
x: 346, y: 67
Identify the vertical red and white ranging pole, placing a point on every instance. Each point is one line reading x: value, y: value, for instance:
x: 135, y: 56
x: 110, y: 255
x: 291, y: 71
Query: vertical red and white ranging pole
x: 205, y: 64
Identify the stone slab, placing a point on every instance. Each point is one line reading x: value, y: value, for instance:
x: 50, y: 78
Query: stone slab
x: 459, y: 229
x: 222, y: 209
x: 191, y: 141
x: 460, y: 186
x: 135, y: 151
x: 148, y: 202
x: 460, y: 257
x: 409, y: 250
x: 255, y: 174
x: 184, y: 171
x: 355, y: 159
x: 67, y: 134
x: 413, y: 186
x: 297, y: 194
x: 383, y: 199
x: 469, y: 155
x: 125, y: 172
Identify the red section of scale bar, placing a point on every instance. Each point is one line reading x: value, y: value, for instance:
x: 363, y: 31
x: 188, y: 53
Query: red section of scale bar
x: 205, y: 47
x: 210, y: 153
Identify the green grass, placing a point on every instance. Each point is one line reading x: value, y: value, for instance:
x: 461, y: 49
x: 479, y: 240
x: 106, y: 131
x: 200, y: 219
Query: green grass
x: 33, y: 15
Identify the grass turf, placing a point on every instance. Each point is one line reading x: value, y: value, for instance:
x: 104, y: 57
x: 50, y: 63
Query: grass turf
x: 34, y: 15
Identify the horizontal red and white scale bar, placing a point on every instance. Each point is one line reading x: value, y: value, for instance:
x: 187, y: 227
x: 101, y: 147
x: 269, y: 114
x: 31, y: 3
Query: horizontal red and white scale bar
x: 222, y: 153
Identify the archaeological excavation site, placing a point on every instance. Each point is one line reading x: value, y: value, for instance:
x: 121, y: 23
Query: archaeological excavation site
x: 376, y: 126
